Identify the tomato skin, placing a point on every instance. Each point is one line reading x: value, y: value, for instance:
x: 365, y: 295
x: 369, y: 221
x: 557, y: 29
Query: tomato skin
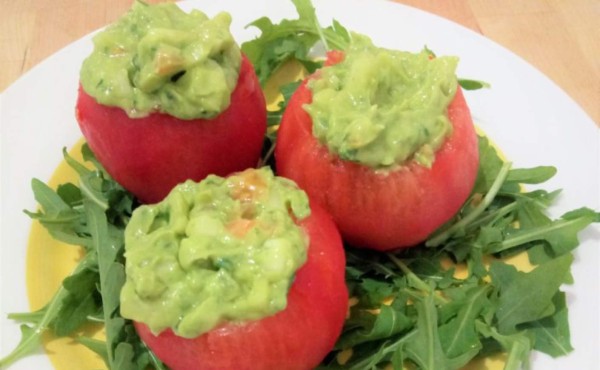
x: 297, y: 338
x: 149, y: 156
x: 379, y: 210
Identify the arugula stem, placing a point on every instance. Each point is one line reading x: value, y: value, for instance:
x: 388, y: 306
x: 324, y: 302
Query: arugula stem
x: 464, y: 222
x: 78, y: 167
x: 320, y: 32
x: 95, y: 319
x: 418, y: 283
x: 535, y: 234
x: 515, y: 356
x: 335, y: 42
x: 493, y: 216
x: 28, y: 317
x: 57, y: 220
x: 263, y: 161
x: 369, y: 362
x: 524, y: 197
x: 68, y: 238
x: 106, y: 252
x: 383, y: 268
x: 155, y: 361
x: 30, y: 342
x: 89, y: 194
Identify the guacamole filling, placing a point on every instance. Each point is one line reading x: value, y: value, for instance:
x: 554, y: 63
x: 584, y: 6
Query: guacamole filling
x: 382, y: 108
x: 222, y: 250
x: 158, y: 58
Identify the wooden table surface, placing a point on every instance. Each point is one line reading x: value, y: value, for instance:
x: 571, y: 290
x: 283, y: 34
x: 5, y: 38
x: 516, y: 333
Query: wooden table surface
x: 561, y: 38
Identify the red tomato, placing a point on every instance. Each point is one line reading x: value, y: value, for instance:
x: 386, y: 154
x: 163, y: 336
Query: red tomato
x: 297, y: 338
x: 372, y: 209
x: 149, y: 156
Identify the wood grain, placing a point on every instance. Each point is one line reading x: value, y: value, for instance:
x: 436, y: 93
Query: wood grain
x: 560, y: 38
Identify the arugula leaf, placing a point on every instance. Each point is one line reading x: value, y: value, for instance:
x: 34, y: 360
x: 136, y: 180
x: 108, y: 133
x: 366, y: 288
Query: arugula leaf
x: 95, y: 345
x: 29, y: 344
x: 561, y: 235
x: 364, y: 326
x: 93, y: 215
x: 52, y: 203
x: 123, y: 350
x: 274, y: 117
x: 489, y: 166
x: 273, y: 121
x: 472, y: 84
x: 517, y: 345
x: 535, y: 175
x: 518, y: 303
x: 292, y: 39
x: 459, y: 334
x: 552, y: 332
x: 275, y: 53
x: 109, y: 284
x: 81, y: 301
x: 425, y: 348
x: 31, y: 334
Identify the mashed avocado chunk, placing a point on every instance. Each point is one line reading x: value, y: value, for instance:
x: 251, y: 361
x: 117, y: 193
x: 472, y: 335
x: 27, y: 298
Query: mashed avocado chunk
x: 381, y: 108
x: 224, y: 249
x: 160, y: 58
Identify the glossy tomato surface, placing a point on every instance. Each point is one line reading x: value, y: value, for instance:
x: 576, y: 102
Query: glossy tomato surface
x: 381, y: 210
x: 297, y: 338
x: 149, y: 156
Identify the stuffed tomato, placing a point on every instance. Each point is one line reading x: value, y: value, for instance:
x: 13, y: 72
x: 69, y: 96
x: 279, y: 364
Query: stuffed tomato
x: 167, y: 96
x: 384, y: 141
x: 235, y: 273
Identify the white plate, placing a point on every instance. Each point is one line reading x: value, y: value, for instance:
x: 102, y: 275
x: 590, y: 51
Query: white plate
x: 529, y: 117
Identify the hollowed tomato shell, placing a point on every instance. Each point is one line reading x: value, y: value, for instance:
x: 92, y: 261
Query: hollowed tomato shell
x: 381, y: 210
x: 297, y: 338
x: 149, y: 156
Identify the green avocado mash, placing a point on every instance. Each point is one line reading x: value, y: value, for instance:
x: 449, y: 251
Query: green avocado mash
x: 159, y: 58
x: 381, y: 107
x: 224, y: 249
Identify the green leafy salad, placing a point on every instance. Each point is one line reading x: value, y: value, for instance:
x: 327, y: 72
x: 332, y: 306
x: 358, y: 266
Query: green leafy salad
x: 440, y: 305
